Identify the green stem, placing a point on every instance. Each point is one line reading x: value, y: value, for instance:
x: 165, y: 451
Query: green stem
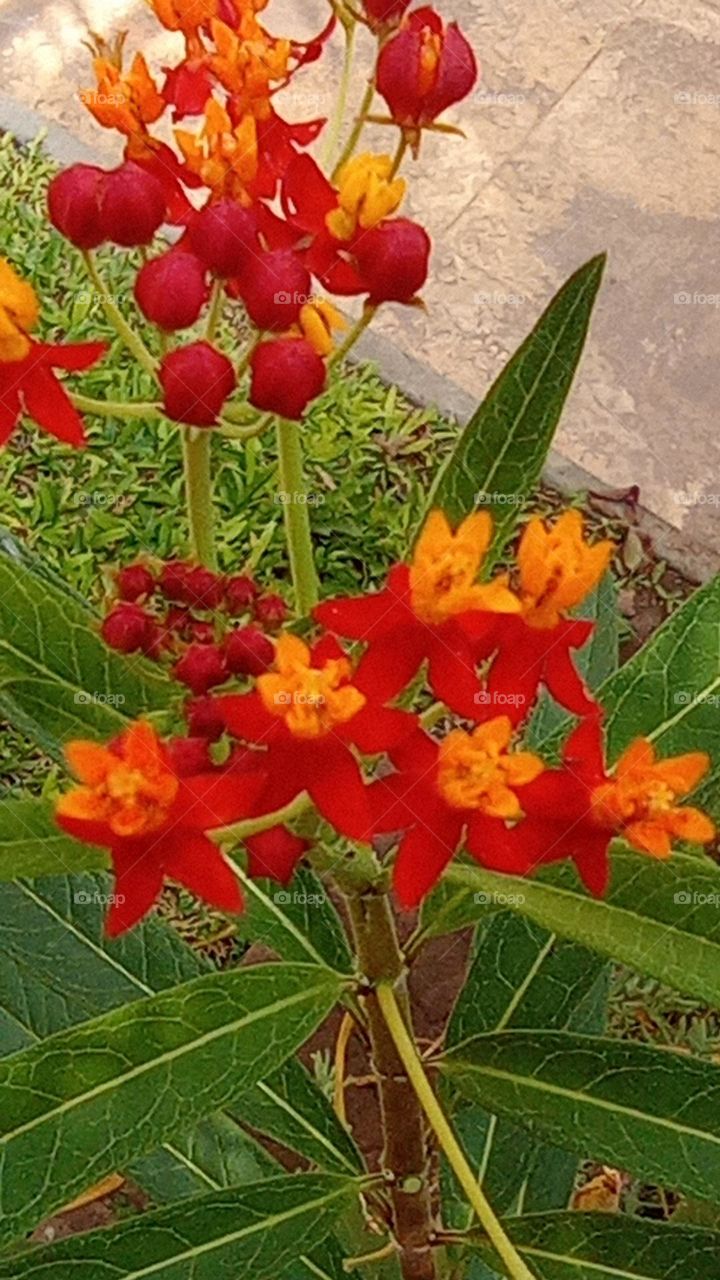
x: 116, y: 408
x: 198, y: 493
x: 355, y: 333
x: 217, y: 300
x: 338, y: 116
x: 125, y: 332
x: 408, y: 1055
x: 254, y: 826
x: 399, y: 156
x: 293, y: 495
x: 357, y: 129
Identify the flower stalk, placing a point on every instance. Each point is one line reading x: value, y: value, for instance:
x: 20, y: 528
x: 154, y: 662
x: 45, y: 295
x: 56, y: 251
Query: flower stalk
x: 196, y: 446
x: 125, y: 331
x: 397, y: 1027
x: 293, y: 495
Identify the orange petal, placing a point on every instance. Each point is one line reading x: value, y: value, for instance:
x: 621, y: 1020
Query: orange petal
x: 682, y: 773
x: 522, y: 767
x: 691, y: 824
x: 89, y: 761
x: 141, y: 747
x: 649, y: 837
x: 82, y: 803
x: 638, y: 756
x: 501, y: 802
x: 494, y: 735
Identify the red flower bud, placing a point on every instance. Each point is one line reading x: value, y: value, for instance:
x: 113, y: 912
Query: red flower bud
x: 172, y: 290
x: 287, y: 373
x: 425, y: 68
x: 274, y: 287
x: 74, y: 205
x: 240, y: 593
x: 385, y: 13
x: 172, y: 583
x: 393, y: 260
x: 271, y: 610
x: 204, y: 719
x: 128, y: 629
x: 134, y: 581
x: 189, y: 756
x: 201, y: 632
x: 203, y: 588
x: 249, y: 652
x: 197, y: 380
x: 201, y: 667
x: 224, y: 236
x: 132, y: 205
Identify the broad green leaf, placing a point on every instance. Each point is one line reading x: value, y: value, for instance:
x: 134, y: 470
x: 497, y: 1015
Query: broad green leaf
x: 87, y: 1101
x: 520, y: 976
x: 604, y: 1246
x: 651, y: 1111
x: 501, y: 452
x: 58, y: 680
x: 31, y: 843
x: 661, y: 918
x: 255, y: 1230
x: 57, y: 969
x: 298, y: 922
x: 289, y: 1107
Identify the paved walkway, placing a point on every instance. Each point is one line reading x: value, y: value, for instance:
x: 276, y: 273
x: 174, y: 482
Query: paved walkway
x: 597, y: 125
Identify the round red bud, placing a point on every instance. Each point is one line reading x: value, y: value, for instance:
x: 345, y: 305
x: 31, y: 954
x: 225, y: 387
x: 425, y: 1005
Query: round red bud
x: 201, y: 667
x: 204, y: 719
x: 240, y: 592
x: 196, y: 381
x: 393, y: 260
x: 172, y: 290
x: 271, y: 610
x: 249, y: 652
x: 224, y: 236
x: 189, y: 756
x: 128, y: 628
x: 132, y: 205
x: 287, y: 374
x: 134, y: 581
x: 274, y: 287
x: 74, y: 205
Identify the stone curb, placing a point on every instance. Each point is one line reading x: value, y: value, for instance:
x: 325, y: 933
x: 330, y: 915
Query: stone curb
x: 421, y: 384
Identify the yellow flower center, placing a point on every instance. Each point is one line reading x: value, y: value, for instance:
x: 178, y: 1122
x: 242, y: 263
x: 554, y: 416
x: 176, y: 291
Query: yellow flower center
x: 558, y: 568
x: 367, y: 193
x: 445, y: 567
x: 18, y: 314
x: 131, y: 788
x: 225, y: 157
x: 476, y: 770
x: 319, y: 319
x: 311, y: 700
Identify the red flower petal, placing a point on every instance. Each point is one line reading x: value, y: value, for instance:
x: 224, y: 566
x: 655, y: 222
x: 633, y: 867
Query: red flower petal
x: 376, y: 729
x: 196, y: 862
x: 89, y: 832
x: 245, y: 717
x: 391, y: 662
x: 593, y: 863
x: 138, y: 882
x: 47, y: 402
x: 370, y: 616
x: 584, y: 752
x: 560, y: 674
x: 211, y: 800
x: 424, y: 854
x: 275, y: 853
x: 495, y: 846
x: 74, y: 357
x: 335, y: 785
x: 451, y: 673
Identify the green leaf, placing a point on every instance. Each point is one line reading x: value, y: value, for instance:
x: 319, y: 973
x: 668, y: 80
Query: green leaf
x: 603, y: 1246
x: 298, y: 922
x: 58, y: 680
x: 31, y: 843
x: 289, y: 1107
x: 520, y: 976
x: 651, y: 1111
x: 660, y: 918
x: 87, y: 1101
x: 255, y: 1230
x: 500, y: 455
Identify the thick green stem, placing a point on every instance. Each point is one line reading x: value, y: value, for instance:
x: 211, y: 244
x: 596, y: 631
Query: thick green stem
x: 354, y: 335
x: 254, y: 826
x: 217, y: 300
x: 333, y: 135
x: 294, y: 497
x: 125, y: 332
x: 198, y: 493
x: 405, y: 1155
x: 116, y: 408
x: 505, y: 1249
x: 357, y: 129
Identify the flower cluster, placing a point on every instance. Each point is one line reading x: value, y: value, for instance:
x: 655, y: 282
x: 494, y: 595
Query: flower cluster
x: 314, y: 720
x: 260, y: 222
